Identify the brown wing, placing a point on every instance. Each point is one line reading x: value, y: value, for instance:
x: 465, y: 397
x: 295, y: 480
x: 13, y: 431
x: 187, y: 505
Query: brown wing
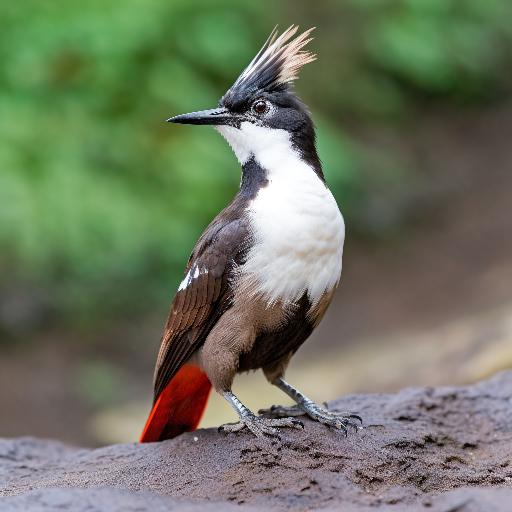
x: 203, y: 296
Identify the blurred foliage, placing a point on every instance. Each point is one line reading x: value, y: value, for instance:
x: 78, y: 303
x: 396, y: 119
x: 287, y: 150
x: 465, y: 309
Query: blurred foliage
x: 101, y: 201
x: 98, y: 383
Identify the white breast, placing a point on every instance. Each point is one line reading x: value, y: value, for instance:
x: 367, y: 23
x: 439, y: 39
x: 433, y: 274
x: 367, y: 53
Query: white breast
x: 297, y: 227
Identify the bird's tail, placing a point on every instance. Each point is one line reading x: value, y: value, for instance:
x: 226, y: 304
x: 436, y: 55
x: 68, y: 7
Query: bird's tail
x: 180, y: 405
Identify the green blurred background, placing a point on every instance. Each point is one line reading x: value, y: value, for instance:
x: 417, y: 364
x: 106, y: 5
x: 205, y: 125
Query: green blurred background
x: 101, y: 201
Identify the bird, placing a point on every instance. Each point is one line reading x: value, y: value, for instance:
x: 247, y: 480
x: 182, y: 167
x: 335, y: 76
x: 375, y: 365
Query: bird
x: 262, y: 275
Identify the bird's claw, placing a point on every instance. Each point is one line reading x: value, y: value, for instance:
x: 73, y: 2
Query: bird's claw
x: 261, y: 427
x: 281, y: 411
x: 338, y: 420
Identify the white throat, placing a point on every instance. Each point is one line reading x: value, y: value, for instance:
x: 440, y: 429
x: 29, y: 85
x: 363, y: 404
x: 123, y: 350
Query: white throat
x: 259, y: 141
x: 297, y: 226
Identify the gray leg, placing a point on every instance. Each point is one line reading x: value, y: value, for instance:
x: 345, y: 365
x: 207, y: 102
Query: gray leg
x: 307, y: 406
x: 255, y: 424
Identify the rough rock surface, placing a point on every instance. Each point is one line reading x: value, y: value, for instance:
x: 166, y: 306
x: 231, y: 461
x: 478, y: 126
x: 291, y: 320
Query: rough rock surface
x: 445, y: 449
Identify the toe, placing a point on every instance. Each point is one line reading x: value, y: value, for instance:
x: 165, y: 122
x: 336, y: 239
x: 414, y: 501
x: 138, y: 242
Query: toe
x: 340, y: 425
x: 261, y: 429
x: 356, y: 417
x: 287, y: 422
x: 280, y: 411
x: 345, y: 415
x: 298, y: 424
x: 231, y: 427
x: 338, y: 421
x: 348, y: 417
x: 295, y: 424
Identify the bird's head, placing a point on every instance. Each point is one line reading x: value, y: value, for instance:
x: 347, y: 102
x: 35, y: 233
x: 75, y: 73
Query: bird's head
x: 260, y: 110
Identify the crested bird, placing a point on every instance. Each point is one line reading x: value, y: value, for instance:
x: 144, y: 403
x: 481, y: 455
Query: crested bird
x: 263, y: 273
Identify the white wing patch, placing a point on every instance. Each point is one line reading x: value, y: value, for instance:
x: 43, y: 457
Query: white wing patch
x: 192, y: 274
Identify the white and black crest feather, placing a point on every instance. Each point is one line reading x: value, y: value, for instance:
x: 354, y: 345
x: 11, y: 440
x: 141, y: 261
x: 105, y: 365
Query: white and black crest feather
x: 277, y: 64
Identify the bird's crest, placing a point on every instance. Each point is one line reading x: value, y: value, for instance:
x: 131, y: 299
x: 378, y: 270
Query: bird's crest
x: 277, y: 64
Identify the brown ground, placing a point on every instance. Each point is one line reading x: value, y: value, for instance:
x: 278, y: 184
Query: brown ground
x: 445, y: 449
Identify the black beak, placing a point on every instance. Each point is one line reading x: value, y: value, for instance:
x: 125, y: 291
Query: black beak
x: 213, y: 116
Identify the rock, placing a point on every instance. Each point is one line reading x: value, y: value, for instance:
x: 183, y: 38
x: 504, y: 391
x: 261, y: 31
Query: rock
x: 445, y: 449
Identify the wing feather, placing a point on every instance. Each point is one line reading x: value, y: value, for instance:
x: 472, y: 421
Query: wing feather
x: 203, y: 296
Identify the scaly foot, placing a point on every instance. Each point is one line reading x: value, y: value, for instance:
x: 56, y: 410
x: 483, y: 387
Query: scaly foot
x: 261, y: 427
x: 339, y: 420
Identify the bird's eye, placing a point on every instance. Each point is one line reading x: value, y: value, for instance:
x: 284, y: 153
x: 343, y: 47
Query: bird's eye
x: 260, y: 107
